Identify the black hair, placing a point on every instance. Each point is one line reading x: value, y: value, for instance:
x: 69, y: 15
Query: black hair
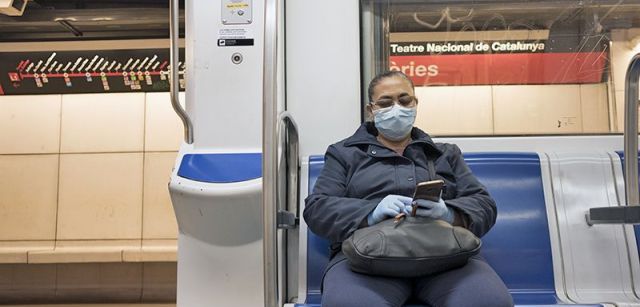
x: 387, y: 74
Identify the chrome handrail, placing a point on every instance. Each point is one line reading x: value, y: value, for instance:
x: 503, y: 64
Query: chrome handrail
x: 174, y: 79
x: 631, y: 131
x: 269, y: 154
x: 286, y: 197
x: 288, y: 170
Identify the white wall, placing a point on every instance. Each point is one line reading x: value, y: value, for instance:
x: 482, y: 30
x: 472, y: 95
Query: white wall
x: 87, y: 167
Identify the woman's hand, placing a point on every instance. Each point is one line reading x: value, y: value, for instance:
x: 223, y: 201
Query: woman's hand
x: 434, y: 210
x: 388, y: 207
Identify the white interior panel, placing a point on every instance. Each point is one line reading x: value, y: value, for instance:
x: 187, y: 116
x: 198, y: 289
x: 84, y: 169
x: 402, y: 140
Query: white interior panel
x: 323, y: 71
x: 224, y: 100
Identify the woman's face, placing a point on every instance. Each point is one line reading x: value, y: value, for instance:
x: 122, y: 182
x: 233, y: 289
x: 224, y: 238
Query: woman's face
x: 393, y: 89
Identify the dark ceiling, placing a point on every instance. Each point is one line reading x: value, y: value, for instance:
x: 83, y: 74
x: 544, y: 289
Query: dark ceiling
x: 585, y: 16
x: 89, y: 19
x: 127, y: 19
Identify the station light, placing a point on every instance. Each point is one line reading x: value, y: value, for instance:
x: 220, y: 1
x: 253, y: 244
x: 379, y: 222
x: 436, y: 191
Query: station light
x: 12, y: 7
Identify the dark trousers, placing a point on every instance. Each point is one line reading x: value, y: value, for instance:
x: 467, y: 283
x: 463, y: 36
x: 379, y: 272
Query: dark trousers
x: 474, y: 285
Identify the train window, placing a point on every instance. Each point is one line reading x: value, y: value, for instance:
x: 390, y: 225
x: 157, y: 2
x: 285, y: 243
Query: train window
x: 500, y: 67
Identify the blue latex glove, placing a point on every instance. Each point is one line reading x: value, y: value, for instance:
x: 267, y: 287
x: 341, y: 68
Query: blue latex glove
x: 389, y: 206
x: 434, y: 210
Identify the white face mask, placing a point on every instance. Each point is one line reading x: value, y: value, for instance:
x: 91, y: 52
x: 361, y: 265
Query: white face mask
x: 395, y: 122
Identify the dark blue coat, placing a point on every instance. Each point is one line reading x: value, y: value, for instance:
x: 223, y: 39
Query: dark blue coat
x: 359, y: 171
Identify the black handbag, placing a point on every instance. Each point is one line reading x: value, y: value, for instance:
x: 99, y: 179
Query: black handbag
x: 409, y: 246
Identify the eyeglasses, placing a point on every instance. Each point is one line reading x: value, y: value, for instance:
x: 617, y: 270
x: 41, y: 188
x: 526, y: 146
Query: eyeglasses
x: 405, y: 101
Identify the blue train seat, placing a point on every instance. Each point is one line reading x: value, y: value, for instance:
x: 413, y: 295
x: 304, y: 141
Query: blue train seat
x: 517, y: 247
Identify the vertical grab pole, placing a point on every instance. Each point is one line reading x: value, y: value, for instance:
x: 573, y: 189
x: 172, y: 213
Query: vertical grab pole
x: 174, y: 81
x: 287, y: 195
x: 269, y: 153
x: 631, y: 131
x: 629, y: 214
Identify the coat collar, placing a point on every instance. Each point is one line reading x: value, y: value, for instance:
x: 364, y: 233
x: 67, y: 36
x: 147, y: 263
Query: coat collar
x: 367, y: 133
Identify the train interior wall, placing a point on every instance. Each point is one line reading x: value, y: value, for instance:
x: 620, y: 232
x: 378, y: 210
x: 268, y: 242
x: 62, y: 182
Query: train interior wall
x: 83, y: 177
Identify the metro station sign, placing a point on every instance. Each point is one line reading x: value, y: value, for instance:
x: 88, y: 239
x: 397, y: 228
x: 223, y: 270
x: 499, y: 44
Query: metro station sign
x: 495, y: 62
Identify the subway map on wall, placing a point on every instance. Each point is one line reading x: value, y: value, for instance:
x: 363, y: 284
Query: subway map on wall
x: 61, y: 72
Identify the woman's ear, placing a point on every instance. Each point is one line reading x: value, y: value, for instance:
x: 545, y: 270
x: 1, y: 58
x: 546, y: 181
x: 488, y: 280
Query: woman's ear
x: 369, y: 112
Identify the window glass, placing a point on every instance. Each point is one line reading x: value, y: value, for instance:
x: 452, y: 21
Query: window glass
x: 507, y: 68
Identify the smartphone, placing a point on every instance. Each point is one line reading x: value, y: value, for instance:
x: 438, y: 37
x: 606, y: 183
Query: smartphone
x: 429, y: 190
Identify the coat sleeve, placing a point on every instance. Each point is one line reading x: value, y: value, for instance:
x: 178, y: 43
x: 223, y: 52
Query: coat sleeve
x: 328, y: 211
x: 472, y: 199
